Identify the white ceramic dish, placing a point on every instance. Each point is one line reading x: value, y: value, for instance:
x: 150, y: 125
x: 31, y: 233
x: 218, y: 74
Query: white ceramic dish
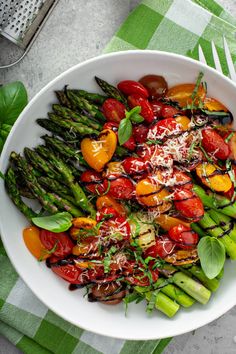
x: 50, y: 289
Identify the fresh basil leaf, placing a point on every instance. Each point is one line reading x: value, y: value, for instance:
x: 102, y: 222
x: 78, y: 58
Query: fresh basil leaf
x: 56, y: 223
x: 124, y: 131
x: 136, y: 118
x: 212, y: 256
x: 133, y: 111
x: 13, y: 99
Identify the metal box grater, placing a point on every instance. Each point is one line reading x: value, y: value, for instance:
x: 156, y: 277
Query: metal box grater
x: 21, y: 20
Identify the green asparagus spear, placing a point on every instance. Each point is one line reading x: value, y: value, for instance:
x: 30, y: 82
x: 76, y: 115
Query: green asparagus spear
x: 66, y: 205
x: 211, y: 284
x: 39, y: 163
x: 92, y: 97
x: 64, y: 149
x: 195, y: 227
x: 225, y: 222
x: 111, y: 91
x: 68, y: 136
x: 77, y: 128
x: 163, y: 303
x: 175, y: 293
x: 82, y: 104
x: 11, y: 186
x: 79, y: 195
x: 214, y: 230
x: 63, y: 99
x: 216, y: 202
x: 191, y: 287
x: 56, y: 187
x: 26, y: 171
x: 68, y: 114
x: 44, y: 150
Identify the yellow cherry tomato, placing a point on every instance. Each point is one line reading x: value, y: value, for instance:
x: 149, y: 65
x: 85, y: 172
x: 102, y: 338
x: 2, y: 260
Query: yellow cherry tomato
x: 31, y: 236
x: 182, y: 94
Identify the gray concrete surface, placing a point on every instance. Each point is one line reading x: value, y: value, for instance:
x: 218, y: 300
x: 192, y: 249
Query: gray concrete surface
x: 78, y: 30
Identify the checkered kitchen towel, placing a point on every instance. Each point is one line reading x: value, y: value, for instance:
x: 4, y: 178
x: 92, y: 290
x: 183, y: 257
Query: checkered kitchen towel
x: 172, y: 25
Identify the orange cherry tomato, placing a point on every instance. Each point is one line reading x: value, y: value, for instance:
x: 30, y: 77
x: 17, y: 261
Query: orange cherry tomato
x: 184, y: 122
x: 167, y: 222
x: 31, y: 236
x: 214, y: 177
x: 211, y: 104
x: 108, y: 201
x: 152, y: 194
x: 182, y: 94
x: 97, y: 152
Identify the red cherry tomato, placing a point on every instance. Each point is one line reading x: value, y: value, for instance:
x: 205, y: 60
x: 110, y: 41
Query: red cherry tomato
x: 184, y: 236
x: 163, y: 247
x: 113, y: 110
x: 129, y: 144
x: 182, y: 180
x: 130, y: 87
x: 140, y: 132
x: 155, y: 155
x: 115, y: 230
x: 188, y: 204
x: 111, y: 125
x: 136, y: 167
x: 214, y: 143
x: 60, y: 241
x: 157, y: 108
x: 68, y: 272
x: 146, y: 109
x: 168, y: 111
x: 165, y: 127
x: 121, y: 188
x: 106, y: 213
x: 155, y: 84
x: 94, y: 182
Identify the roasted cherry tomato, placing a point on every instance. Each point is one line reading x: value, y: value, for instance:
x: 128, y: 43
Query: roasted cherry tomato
x: 140, y: 132
x: 136, y: 167
x: 165, y: 127
x: 157, y: 108
x: 155, y: 155
x: 146, y: 109
x: 214, y: 143
x: 94, y: 182
x: 211, y: 104
x: 87, y: 246
x: 68, y: 272
x: 108, y: 201
x: 121, y: 188
x: 115, y: 230
x: 188, y: 204
x: 184, y: 236
x: 31, y: 236
x: 139, y: 278
x: 152, y: 194
x: 231, y: 135
x: 113, y: 110
x: 163, y: 247
x: 183, y: 94
x: 130, y: 87
x: 60, y: 243
x: 182, y: 180
x: 106, y: 213
x: 169, y: 111
x: 129, y: 144
x: 155, y: 84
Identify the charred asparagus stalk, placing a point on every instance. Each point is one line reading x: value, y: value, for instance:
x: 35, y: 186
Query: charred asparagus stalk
x: 92, y: 97
x: 26, y: 171
x: 55, y: 129
x: 77, y: 128
x: 68, y: 114
x: 82, y: 104
x: 11, y: 186
x: 111, y: 91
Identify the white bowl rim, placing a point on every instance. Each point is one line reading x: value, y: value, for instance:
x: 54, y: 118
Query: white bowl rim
x: 207, y: 320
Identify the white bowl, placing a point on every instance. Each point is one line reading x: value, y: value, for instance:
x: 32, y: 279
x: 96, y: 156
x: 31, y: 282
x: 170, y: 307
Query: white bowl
x: 50, y: 289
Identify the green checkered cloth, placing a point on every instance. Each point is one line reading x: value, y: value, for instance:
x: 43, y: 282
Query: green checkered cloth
x: 177, y: 26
